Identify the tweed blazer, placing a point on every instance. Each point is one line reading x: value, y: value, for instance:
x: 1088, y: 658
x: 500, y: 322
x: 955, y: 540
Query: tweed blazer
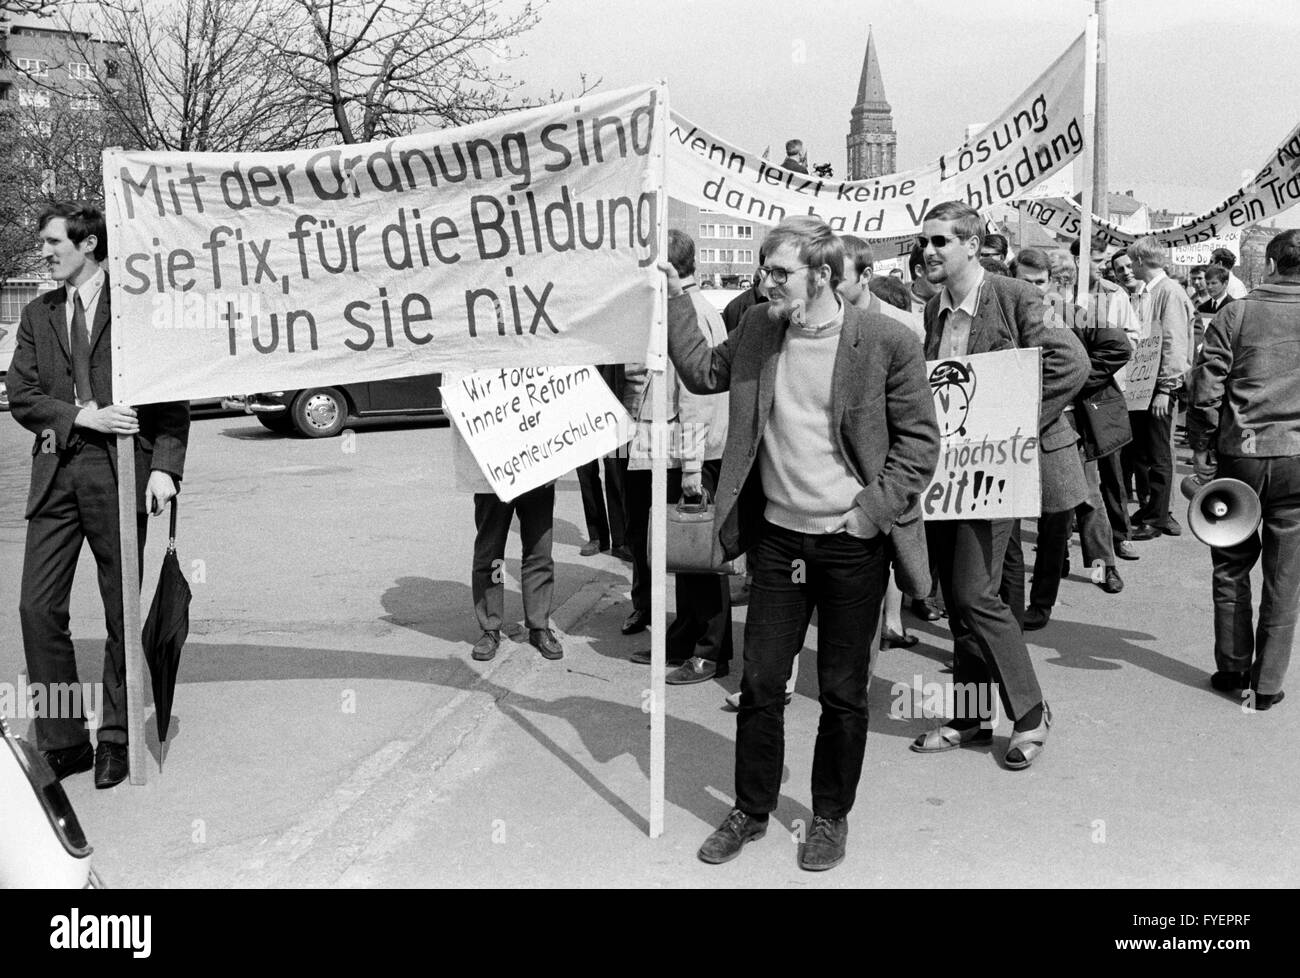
x: 882, y: 417
x: 42, y: 399
x: 1009, y: 314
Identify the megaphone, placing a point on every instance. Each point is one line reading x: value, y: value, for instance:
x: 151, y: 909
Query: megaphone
x: 1222, y: 512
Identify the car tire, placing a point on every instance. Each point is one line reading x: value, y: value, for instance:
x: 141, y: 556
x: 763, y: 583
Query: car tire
x: 281, y: 424
x: 320, y: 412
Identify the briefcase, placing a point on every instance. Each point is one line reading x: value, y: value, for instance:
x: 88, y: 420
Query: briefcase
x: 690, y: 540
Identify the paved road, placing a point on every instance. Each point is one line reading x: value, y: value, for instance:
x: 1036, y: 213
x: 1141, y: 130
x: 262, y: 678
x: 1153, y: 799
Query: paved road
x: 331, y: 729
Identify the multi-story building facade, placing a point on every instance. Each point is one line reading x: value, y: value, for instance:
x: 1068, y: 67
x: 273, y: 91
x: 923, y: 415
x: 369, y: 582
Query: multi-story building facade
x: 726, y: 247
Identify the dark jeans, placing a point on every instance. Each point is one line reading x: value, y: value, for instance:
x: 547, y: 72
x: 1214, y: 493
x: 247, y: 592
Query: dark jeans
x: 988, y: 646
x: 1154, y: 441
x: 492, y: 518
x: 1114, y: 495
x: 703, y: 623
x: 81, y: 506
x: 1237, y: 640
x: 1054, y: 541
x: 608, y: 530
x: 843, y: 579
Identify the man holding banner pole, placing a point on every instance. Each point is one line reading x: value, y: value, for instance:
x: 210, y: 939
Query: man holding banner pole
x: 979, y: 313
x: 62, y: 373
x: 831, y: 439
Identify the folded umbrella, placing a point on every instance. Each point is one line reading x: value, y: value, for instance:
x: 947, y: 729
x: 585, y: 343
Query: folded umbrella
x: 166, y: 629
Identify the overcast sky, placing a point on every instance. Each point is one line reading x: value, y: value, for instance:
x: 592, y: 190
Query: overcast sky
x: 1199, y: 90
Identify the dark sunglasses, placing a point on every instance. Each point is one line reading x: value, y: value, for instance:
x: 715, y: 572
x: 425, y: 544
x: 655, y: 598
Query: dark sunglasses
x: 939, y: 240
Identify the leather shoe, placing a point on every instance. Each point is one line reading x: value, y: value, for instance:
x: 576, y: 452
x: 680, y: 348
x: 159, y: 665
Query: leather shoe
x: 1230, y: 682
x: 890, y: 639
x: 545, y: 642
x: 926, y: 610
x: 638, y: 621
x: 70, y: 760
x: 486, y: 647
x: 950, y: 738
x: 111, y: 765
x: 1266, y: 701
x: 696, y: 670
x: 730, y: 837
x: 1036, y: 617
x: 642, y: 658
x: 591, y: 548
x: 622, y: 553
x: 826, y: 844
x: 1144, y: 533
x: 1113, y: 583
x: 1125, y: 550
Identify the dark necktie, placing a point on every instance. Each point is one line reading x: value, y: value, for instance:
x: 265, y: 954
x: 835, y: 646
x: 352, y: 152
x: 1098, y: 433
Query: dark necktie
x: 80, y: 351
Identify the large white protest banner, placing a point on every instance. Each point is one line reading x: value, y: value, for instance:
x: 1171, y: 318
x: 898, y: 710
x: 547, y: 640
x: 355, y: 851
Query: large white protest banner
x: 527, y: 239
x: 987, y: 406
x: 1040, y: 133
x: 526, y: 426
x: 1143, y: 372
x: 1272, y: 189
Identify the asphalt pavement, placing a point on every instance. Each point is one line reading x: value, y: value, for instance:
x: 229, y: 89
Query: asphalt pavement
x: 330, y: 728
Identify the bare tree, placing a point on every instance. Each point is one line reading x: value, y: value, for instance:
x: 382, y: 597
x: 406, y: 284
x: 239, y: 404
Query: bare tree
x: 194, y: 76
x: 370, y: 69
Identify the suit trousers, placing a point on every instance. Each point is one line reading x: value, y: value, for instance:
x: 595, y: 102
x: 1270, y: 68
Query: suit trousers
x: 1154, y: 438
x: 1012, y: 590
x: 703, y: 623
x: 1054, y: 541
x: 842, y: 578
x: 606, y: 523
x: 637, y: 494
x: 536, y: 509
x: 1263, y: 648
x: 987, y: 642
x: 81, y: 506
x: 1114, y: 495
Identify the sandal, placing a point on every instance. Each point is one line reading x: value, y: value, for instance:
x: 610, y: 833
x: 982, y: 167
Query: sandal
x: 950, y: 738
x: 1030, y: 743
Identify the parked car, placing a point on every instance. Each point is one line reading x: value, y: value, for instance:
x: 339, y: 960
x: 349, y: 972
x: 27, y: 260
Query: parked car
x: 322, y: 412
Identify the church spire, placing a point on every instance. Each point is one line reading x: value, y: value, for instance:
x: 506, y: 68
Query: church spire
x: 871, y: 140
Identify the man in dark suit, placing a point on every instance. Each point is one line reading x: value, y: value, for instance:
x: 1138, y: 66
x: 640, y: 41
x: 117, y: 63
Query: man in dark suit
x: 831, y: 438
x: 796, y: 157
x: 61, y: 374
x: 979, y: 313
x: 1216, y: 285
x: 755, y: 295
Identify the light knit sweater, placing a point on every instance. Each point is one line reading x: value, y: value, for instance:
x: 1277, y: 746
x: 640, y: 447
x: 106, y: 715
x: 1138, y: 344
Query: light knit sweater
x: 808, y: 485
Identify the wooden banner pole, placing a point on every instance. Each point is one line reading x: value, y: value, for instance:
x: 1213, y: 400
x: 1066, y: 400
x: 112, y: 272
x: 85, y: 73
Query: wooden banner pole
x: 130, y: 566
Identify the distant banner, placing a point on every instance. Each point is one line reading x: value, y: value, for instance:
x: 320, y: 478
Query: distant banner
x: 529, y: 238
x: 528, y: 426
x: 987, y: 405
x: 1274, y: 188
x: 1038, y: 135
x: 1143, y: 372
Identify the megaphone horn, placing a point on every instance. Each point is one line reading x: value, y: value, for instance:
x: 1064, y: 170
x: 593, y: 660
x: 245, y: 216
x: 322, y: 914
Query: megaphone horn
x: 1222, y: 512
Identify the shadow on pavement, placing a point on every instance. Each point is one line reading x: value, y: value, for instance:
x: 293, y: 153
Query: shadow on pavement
x: 1084, y: 646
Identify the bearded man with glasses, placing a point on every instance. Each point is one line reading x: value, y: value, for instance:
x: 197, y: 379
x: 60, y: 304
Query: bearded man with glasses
x: 831, y: 439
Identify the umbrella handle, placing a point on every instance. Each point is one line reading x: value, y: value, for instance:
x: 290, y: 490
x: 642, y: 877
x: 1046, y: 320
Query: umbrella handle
x: 171, y: 532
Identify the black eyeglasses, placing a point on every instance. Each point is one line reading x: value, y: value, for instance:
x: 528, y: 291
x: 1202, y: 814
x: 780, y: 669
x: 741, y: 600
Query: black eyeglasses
x: 777, y: 274
x: 939, y: 240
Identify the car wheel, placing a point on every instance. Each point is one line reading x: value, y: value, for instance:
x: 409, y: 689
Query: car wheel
x: 281, y: 424
x: 320, y: 412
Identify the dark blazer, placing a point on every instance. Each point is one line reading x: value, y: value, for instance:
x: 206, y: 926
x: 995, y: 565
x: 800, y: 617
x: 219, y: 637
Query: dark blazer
x: 42, y: 399
x: 882, y: 418
x: 1009, y: 315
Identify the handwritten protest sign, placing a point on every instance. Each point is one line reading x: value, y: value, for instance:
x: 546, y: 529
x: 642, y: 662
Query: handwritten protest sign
x: 1143, y: 371
x: 527, y: 426
x: 1039, y: 134
x: 529, y: 238
x: 987, y: 406
x: 1199, y: 254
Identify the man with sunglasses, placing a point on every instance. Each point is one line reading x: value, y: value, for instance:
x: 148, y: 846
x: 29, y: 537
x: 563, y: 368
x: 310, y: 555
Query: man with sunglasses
x: 975, y: 312
x: 831, y: 439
